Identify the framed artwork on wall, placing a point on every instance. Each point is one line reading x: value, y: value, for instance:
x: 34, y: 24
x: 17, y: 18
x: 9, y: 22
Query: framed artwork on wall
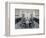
x: 24, y: 19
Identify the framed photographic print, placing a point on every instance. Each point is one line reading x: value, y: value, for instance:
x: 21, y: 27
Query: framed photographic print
x: 24, y: 19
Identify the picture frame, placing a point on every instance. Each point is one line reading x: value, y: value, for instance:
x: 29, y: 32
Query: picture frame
x: 13, y: 10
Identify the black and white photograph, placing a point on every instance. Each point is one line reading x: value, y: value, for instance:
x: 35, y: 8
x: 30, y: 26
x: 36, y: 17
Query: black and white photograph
x: 26, y: 18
